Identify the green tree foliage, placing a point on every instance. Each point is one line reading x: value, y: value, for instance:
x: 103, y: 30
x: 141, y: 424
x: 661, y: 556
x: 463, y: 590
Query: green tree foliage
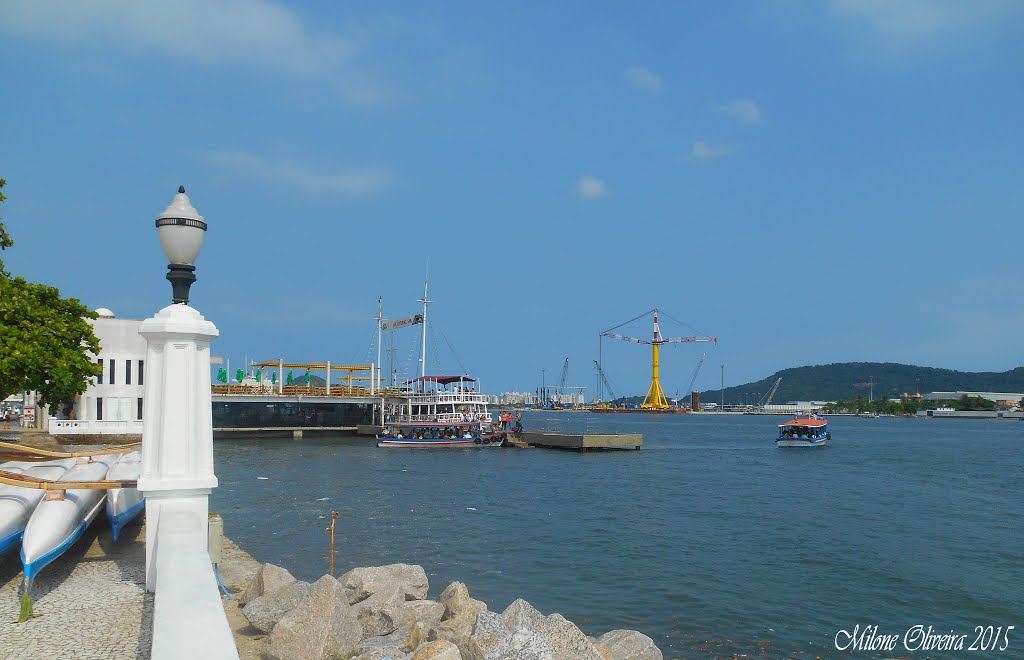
x: 45, y: 340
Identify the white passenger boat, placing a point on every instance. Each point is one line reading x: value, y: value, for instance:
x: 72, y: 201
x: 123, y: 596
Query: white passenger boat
x: 437, y: 411
x: 61, y: 518
x: 17, y: 503
x: 443, y: 400
x: 123, y: 504
x: 444, y: 435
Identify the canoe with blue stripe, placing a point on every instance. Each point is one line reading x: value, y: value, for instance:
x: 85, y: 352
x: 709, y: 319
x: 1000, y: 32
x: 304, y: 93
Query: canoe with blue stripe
x: 17, y: 503
x: 63, y: 515
x: 123, y: 504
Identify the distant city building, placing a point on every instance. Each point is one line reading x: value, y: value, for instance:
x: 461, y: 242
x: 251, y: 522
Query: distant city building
x: 794, y: 407
x: 1002, y: 399
x: 112, y: 403
x: 515, y: 398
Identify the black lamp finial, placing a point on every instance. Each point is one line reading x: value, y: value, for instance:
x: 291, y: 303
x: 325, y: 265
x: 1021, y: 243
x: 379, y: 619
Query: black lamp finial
x: 181, y: 189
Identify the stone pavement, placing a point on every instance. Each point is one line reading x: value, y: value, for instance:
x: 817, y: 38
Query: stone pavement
x: 92, y: 601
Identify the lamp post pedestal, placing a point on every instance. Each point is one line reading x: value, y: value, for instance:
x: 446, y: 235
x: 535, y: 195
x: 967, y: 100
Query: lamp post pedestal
x: 177, y: 432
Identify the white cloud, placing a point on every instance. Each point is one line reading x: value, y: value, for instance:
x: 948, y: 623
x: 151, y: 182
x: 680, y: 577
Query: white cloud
x: 245, y: 165
x: 256, y: 34
x: 589, y: 187
x: 744, y: 110
x: 704, y: 151
x: 643, y: 78
x: 908, y: 21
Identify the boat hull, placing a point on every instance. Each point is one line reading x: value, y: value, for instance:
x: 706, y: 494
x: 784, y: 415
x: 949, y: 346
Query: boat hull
x: 438, y: 443
x: 17, y: 504
x: 798, y: 442
x: 57, y: 523
x: 123, y: 504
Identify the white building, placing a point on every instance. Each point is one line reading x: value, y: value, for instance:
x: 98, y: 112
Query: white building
x: 1003, y: 398
x: 515, y: 398
x: 112, y: 404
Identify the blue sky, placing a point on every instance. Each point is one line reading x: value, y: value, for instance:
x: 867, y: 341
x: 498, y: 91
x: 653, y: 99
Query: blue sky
x: 809, y: 182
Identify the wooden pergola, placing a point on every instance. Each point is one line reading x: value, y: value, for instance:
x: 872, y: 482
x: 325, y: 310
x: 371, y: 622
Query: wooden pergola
x: 353, y: 376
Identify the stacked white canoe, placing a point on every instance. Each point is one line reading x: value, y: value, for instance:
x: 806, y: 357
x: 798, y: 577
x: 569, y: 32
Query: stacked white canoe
x: 17, y: 504
x: 61, y: 518
x: 48, y: 522
x: 123, y: 504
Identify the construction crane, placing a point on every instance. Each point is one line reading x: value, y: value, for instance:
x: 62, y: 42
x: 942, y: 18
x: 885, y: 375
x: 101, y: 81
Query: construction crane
x: 604, y: 380
x: 693, y: 378
x: 655, y: 399
x: 561, y: 385
x: 766, y: 400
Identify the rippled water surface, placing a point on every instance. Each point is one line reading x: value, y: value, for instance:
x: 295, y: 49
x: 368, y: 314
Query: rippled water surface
x: 710, y: 539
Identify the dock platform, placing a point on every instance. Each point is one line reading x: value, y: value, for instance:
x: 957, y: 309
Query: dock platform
x: 577, y: 441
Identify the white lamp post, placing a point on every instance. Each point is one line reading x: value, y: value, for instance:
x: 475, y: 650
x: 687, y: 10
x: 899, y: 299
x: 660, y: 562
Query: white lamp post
x: 177, y: 433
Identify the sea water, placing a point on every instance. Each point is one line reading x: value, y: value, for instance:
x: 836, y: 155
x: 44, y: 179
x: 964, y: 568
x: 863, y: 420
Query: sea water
x: 709, y: 539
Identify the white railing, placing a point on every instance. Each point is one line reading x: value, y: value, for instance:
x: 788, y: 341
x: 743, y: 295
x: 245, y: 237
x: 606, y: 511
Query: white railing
x: 93, y: 427
x: 188, y: 617
x: 446, y: 418
x: 448, y: 397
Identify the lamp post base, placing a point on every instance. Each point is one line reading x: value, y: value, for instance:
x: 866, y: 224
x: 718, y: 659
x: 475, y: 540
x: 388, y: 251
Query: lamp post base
x: 181, y: 277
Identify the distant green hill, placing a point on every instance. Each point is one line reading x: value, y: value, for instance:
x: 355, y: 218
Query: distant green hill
x: 843, y: 380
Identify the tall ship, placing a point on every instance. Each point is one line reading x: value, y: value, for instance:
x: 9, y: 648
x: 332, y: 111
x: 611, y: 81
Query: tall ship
x: 438, y: 411
x: 443, y: 400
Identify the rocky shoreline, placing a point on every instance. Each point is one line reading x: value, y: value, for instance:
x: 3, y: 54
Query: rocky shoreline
x: 384, y: 613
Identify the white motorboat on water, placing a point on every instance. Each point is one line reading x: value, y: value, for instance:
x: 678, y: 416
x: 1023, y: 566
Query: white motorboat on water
x: 123, y: 504
x: 17, y: 503
x: 61, y: 518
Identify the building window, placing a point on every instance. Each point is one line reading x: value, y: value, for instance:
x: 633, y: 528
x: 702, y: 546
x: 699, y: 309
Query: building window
x: 140, y: 408
x: 141, y: 363
x: 113, y: 371
x: 99, y: 379
x: 99, y: 408
x: 127, y: 372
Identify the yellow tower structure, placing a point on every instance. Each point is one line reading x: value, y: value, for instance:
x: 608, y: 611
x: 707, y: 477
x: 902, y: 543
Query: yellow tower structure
x: 655, y: 399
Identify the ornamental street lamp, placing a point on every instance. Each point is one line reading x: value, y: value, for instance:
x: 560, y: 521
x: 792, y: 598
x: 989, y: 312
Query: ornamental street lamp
x: 181, y: 235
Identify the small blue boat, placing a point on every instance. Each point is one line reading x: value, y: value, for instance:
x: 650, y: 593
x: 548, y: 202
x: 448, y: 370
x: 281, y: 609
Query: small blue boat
x: 804, y: 432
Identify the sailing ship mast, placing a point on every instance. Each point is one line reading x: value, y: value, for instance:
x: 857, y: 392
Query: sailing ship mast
x: 380, y: 328
x: 423, y: 351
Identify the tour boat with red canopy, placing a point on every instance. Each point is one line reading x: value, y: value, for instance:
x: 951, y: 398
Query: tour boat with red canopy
x: 804, y: 432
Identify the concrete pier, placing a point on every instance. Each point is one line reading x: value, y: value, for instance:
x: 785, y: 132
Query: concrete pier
x: 580, y: 441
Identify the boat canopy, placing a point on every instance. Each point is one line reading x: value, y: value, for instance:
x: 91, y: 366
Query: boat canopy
x: 441, y: 380
x: 813, y: 423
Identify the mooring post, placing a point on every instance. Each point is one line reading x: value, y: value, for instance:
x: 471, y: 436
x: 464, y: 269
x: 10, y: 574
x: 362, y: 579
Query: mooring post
x: 330, y: 529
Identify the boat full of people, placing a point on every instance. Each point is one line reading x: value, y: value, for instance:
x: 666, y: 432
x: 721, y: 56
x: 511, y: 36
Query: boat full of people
x: 804, y: 432
x: 439, y: 435
x: 443, y: 400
